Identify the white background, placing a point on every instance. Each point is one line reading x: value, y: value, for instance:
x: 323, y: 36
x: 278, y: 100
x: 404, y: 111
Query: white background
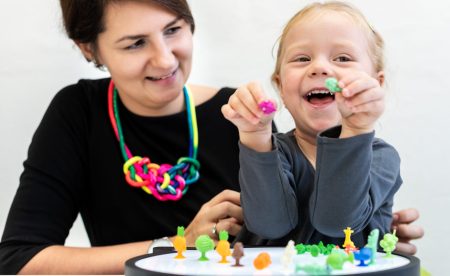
x: 233, y: 45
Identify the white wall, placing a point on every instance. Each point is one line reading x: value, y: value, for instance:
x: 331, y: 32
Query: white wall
x: 233, y: 45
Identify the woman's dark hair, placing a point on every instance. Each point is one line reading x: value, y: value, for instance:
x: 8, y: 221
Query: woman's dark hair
x: 84, y: 19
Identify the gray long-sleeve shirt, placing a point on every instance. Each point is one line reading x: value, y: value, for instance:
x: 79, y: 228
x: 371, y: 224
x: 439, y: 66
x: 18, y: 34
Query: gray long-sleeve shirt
x: 354, y: 183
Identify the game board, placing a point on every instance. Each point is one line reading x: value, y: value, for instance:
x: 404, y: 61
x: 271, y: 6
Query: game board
x: 162, y: 262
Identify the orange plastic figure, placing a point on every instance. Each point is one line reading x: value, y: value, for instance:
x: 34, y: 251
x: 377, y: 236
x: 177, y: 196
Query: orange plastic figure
x: 180, y: 243
x: 223, y: 247
x: 262, y: 261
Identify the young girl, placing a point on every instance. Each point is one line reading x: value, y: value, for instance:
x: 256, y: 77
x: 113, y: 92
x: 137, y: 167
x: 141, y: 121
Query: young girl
x: 330, y: 172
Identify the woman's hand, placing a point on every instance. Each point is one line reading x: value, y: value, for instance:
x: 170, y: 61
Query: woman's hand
x: 406, y: 231
x: 223, y: 212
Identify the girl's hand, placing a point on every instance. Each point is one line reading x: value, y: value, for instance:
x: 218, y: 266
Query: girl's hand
x: 224, y: 211
x: 243, y: 110
x: 360, y: 103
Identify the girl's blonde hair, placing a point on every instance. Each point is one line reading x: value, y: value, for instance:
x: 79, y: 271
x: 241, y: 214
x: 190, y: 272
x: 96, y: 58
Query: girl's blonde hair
x: 375, y: 41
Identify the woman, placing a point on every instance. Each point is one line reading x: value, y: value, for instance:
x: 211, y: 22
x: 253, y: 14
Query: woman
x: 75, y: 161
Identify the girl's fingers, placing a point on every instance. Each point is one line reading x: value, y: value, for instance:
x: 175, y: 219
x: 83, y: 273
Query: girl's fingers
x: 358, y: 86
x: 375, y: 107
x: 240, y: 103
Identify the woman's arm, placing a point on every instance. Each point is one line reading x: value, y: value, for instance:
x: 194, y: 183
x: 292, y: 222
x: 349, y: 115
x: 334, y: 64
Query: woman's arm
x: 72, y: 260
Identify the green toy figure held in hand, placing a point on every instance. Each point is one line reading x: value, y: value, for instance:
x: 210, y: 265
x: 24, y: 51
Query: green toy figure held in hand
x: 332, y: 85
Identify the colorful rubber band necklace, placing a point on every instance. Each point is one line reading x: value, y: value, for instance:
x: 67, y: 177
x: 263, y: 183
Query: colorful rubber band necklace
x: 164, y: 182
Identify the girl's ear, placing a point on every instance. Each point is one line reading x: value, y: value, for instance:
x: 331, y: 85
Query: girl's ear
x: 380, y: 77
x: 277, y: 81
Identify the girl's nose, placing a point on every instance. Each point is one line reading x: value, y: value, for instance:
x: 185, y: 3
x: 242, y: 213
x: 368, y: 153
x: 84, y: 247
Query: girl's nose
x: 320, y: 68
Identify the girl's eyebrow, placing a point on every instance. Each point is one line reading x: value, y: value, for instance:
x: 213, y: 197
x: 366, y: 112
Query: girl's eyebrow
x: 139, y: 36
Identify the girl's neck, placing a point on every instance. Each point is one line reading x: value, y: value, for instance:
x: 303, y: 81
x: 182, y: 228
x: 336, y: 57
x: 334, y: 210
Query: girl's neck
x: 307, y: 146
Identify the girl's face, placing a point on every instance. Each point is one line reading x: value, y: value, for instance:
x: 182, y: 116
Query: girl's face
x: 319, y: 46
x: 148, y: 52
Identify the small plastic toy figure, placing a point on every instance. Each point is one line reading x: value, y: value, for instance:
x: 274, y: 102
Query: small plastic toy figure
x: 179, y: 243
x: 332, y: 85
x: 223, y: 246
x: 238, y: 253
x: 338, y: 257
x: 288, y: 255
x: 348, y: 244
x: 267, y: 107
x: 372, y: 243
x: 204, y: 244
x: 389, y: 242
x: 313, y: 269
x: 301, y: 248
x: 314, y: 250
x: 364, y: 254
x: 262, y: 261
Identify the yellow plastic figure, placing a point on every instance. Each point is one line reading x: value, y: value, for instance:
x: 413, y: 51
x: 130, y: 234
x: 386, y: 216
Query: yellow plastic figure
x: 180, y: 243
x: 348, y: 244
x: 223, y: 247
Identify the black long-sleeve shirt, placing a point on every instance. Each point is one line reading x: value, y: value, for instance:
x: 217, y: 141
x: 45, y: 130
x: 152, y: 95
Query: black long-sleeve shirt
x: 74, y: 166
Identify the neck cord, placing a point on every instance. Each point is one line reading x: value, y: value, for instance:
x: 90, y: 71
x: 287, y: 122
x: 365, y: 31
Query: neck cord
x: 164, y: 182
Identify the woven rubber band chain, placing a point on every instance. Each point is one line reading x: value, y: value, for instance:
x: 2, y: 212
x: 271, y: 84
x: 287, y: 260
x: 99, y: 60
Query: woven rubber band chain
x: 164, y: 182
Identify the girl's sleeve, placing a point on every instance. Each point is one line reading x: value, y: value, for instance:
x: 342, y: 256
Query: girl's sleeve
x: 356, y: 179
x: 267, y: 192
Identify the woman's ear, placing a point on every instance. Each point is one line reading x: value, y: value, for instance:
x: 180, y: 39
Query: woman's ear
x: 380, y: 77
x: 86, y: 49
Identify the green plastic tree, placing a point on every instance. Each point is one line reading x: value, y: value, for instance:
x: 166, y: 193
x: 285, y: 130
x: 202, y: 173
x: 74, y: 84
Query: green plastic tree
x: 204, y: 244
x: 388, y: 243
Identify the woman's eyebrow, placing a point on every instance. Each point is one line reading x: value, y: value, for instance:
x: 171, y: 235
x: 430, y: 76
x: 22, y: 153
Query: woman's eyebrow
x: 139, y: 36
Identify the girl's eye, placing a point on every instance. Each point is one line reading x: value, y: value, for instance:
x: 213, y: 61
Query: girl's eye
x: 303, y: 59
x: 138, y: 44
x: 172, y: 30
x: 342, y: 59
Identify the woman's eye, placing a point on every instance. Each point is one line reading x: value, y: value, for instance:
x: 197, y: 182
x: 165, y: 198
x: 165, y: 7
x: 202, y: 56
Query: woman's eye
x: 342, y: 59
x: 138, y: 44
x: 172, y: 30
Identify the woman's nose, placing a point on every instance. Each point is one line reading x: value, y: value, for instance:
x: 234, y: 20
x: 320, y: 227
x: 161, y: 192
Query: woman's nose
x: 162, y: 56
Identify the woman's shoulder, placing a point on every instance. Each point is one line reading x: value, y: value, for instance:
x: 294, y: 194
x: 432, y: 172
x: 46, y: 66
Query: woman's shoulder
x: 84, y: 86
x: 84, y: 92
x: 203, y: 94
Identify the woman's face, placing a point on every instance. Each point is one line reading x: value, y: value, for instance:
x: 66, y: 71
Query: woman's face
x: 148, y: 52
x: 328, y: 45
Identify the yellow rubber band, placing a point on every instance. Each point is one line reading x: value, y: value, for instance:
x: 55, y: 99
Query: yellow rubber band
x: 166, y: 181
x: 130, y: 162
x: 146, y: 189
